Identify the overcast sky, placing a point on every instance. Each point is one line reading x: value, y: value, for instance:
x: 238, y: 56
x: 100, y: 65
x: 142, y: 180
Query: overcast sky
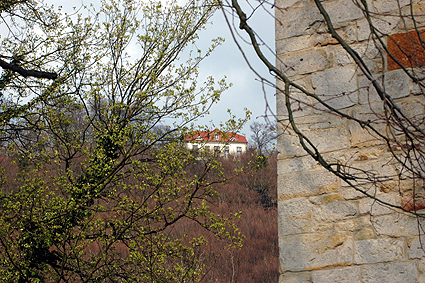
x: 247, y: 91
x: 227, y: 60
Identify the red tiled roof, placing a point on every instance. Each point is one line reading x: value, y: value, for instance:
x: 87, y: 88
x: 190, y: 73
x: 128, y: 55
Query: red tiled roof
x: 210, y: 137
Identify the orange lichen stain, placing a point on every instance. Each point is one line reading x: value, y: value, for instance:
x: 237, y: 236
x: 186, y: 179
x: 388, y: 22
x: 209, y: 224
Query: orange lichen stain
x: 331, y: 198
x: 329, y: 188
x: 285, y: 197
x: 413, y: 204
x: 363, y: 157
x: 347, y: 263
x: 407, y: 49
x: 384, y: 189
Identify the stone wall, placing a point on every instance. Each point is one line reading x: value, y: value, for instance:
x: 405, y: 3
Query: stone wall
x: 329, y: 232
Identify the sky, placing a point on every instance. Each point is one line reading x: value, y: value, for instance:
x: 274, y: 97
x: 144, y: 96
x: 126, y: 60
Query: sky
x: 227, y: 60
x: 247, y: 91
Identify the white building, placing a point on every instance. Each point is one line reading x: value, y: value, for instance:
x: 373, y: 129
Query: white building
x: 223, y: 142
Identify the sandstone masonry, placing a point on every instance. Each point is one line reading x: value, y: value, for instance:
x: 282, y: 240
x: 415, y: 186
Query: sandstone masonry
x: 329, y: 232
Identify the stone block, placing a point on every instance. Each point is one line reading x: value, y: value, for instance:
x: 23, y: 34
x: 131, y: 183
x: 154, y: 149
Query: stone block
x: 314, y: 251
x: 285, y: 4
x: 372, y: 115
x: 382, y: 6
x: 365, y: 234
x: 413, y: 108
x: 324, y: 140
x: 373, y: 207
x: 395, y: 272
x: 306, y: 183
x: 365, y: 50
x: 378, y: 250
x: 299, y: 277
x: 334, y: 211
x: 322, y: 121
x: 302, y: 62
x: 416, y: 89
x: 338, y: 275
x: 337, y: 87
x: 342, y: 11
x: 300, y: 105
x: 416, y: 247
x: 288, y: 144
x: 294, y: 44
x: 296, y: 164
x: 367, y: 93
x: 294, y: 216
x: 383, y: 23
x: 396, y: 225
x: 354, y: 224
x: 348, y: 193
x: 296, y: 21
x: 396, y: 84
x: 419, y: 17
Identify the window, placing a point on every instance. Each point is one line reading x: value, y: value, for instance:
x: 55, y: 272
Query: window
x: 232, y: 139
x: 239, y: 150
x: 216, y: 149
x: 195, y: 147
x: 216, y: 137
x: 207, y: 148
x: 226, y: 151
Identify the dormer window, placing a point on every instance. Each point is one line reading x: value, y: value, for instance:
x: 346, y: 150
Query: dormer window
x: 198, y: 138
x: 232, y: 139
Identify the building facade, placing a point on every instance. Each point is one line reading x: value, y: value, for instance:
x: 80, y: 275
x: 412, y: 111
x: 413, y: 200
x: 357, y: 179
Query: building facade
x: 225, y: 143
x: 328, y: 231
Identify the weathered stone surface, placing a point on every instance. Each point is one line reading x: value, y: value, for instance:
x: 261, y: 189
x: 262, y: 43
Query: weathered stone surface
x: 342, y: 11
x: 294, y: 44
x: 296, y: 21
x: 334, y: 211
x: 338, y: 275
x: 337, y: 87
x: 378, y: 250
x: 349, y: 193
x: 321, y: 224
x: 306, y: 184
x: 302, y: 62
x: 383, y: 6
x: 362, y: 137
x: 324, y: 140
x: 385, y: 25
x: 296, y: 164
x: 416, y: 247
x: 321, y: 121
x: 413, y: 108
x: 300, y: 103
x: 419, y: 17
x: 395, y: 225
x: 395, y: 272
x: 310, y: 252
x: 421, y: 269
x: 365, y: 234
x: 354, y: 224
x: 365, y: 51
x: 373, y: 207
x: 288, y: 144
x: 367, y: 93
x: 294, y: 216
x: 397, y: 84
x: 299, y: 277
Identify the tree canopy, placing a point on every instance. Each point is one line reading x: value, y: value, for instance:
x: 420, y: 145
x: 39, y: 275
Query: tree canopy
x: 93, y: 184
